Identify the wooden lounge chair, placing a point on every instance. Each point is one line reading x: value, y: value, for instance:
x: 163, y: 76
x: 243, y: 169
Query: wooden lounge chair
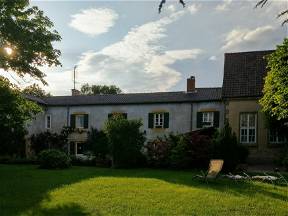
x: 215, y: 167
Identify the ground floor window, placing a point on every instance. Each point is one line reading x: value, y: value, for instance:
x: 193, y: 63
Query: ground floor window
x: 248, y: 128
x: 76, y: 148
x: 276, y: 137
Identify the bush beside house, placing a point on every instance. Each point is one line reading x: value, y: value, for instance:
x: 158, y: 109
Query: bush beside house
x: 53, y: 159
x: 125, y: 141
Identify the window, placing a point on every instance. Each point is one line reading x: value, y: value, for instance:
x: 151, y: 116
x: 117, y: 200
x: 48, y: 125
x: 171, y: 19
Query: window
x: 275, y: 137
x: 76, y: 148
x: 79, y: 120
x: 48, y: 122
x: 207, y: 119
x: 248, y: 128
x: 158, y: 120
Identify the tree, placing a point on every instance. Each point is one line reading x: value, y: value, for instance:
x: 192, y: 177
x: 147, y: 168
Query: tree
x: 86, y: 89
x: 262, y: 3
x: 15, y: 111
x: 26, y: 38
x: 275, y: 99
x: 36, y: 91
x: 164, y: 1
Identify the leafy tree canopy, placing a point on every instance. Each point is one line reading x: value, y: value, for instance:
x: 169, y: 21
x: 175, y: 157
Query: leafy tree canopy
x: 26, y: 38
x: 36, y: 91
x: 86, y: 89
x: 275, y: 99
x: 15, y: 111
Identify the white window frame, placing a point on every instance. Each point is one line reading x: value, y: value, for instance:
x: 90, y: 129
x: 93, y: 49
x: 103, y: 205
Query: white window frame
x: 77, y: 121
x: 248, y: 128
x: 276, y: 137
x: 46, y: 121
x: 158, y: 120
x: 208, y: 119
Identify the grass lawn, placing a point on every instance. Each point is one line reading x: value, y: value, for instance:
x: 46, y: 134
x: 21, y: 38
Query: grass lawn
x: 26, y: 190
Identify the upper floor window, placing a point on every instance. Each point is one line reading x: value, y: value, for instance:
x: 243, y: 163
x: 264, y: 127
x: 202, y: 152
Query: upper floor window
x: 208, y: 119
x: 158, y: 120
x: 79, y: 121
x: 48, y: 121
x: 276, y: 137
x: 248, y: 127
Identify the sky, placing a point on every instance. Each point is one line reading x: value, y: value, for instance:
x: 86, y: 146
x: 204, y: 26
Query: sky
x: 128, y: 44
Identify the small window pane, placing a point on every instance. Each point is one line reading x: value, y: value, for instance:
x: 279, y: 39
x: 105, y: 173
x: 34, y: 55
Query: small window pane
x: 244, y: 120
x: 252, y: 120
x: 80, y: 121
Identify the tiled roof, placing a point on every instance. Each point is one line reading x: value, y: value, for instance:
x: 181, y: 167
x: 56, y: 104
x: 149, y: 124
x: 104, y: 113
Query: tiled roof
x: 201, y: 94
x: 35, y: 99
x: 244, y: 74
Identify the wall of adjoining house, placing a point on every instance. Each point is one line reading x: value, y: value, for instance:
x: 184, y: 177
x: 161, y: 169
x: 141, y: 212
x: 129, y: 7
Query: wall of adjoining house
x: 262, y: 151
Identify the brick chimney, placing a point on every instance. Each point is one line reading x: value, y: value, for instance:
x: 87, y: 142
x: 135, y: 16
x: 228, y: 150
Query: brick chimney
x: 75, y: 92
x: 191, y: 84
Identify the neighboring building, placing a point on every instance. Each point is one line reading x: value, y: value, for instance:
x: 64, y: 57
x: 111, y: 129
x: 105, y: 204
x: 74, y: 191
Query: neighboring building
x: 161, y: 112
x: 243, y: 82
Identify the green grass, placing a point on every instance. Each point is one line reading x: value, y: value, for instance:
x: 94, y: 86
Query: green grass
x: 26, y: 190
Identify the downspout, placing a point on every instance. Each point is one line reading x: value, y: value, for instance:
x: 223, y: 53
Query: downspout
x: 191, y: 117
x: 68, y: 114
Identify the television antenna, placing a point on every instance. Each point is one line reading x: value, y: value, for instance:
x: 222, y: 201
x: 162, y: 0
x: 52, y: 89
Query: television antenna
x: 74, y: 76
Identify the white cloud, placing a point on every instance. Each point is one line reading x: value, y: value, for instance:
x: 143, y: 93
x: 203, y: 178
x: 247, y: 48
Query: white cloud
x: 138, y: 62
x: 213, y: 58
x: 243, y: 38
x: 194, y: 8
x: 94, y: 21
x: 224, y: 6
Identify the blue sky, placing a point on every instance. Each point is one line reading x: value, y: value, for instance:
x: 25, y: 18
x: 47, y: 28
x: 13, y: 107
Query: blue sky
x: 128, y: 44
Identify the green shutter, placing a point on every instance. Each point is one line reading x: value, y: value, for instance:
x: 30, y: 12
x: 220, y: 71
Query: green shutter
x: 72, y: 121
x: 150, y: 120
x: 199, y: 119
x: 216, y: 119
x: 110, y: 115
x: 86, y: 121
x: 124, y: 115
x: 166, y: 120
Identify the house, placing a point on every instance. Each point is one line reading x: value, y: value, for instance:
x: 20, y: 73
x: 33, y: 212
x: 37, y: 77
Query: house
x: 160, y: 112
x: 243, y: 82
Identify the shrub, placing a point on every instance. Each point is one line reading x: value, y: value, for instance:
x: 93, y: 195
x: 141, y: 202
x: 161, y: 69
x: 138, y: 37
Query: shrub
x: 48, y: 140
x: 285, y: 162
x: 157, y: 152
x: 226, y: 147
x: 200, y: 147
x: 97, y: 142
x: 53, y: 159
x: 125, y: 141
x: 191, y: 150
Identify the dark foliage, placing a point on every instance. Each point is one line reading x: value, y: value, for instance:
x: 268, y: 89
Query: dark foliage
x: 53, y: 159
x: 191, y: 150
x: 157, y: 152
x: 48, y: 140
x: 30, y: 35
x: 97, y: 143
x: 15, y: 112
x: 125, y: 142
x: 226, y: 147
x: 86, y: 89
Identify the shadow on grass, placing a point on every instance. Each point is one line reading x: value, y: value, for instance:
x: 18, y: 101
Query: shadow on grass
x: 24, y: 187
